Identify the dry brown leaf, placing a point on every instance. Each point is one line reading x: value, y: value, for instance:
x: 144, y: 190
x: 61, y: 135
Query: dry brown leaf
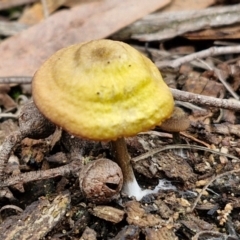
x: 24, y: 53
x: 228, y: 32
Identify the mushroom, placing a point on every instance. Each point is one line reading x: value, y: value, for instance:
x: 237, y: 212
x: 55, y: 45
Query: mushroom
x: 103, y: 90
x: 177, y: 123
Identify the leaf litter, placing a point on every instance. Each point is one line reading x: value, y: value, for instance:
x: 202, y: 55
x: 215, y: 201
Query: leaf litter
x: 200, y: 199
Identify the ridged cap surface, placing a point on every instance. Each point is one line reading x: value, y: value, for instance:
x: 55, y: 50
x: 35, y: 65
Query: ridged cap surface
x: 102, y: 90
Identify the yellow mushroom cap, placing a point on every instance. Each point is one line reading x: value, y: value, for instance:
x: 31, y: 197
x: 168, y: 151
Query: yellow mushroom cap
x: 101, y: 90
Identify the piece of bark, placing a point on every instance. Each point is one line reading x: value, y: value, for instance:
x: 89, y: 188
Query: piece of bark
x: 108, y: 213
x: 86, y: 22
x: 37, y: 219
x: 137, y: 215
x: 227, y: 32
x: 163, y: 233
x: 161, y: 26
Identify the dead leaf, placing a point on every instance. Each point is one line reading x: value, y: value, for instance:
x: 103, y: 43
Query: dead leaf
x: 228, y: 32
x: 24, y: 53
x: 202, y: 85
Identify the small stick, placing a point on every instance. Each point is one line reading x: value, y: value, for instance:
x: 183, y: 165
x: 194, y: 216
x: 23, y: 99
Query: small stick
x: 72, y: 167
x: 205, y: 100
x: 179, y: 146
x: 210, y: 233
x: 210, y: 182
x: 213, y: 51
x: 16, y: 80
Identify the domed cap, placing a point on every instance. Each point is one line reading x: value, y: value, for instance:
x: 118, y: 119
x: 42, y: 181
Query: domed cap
x: 102, y: 90
x: 177, y: 122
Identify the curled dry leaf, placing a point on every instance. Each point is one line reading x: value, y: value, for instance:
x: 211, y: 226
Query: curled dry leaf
x: 101, y: 180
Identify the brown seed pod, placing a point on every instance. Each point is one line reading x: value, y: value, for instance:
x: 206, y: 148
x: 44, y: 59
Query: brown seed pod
x: 100, y: 180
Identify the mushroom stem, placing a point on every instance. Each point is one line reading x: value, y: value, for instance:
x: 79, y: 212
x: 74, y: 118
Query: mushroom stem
x: 130, y: 184
x: 176, y: 137
x: 122, y: 158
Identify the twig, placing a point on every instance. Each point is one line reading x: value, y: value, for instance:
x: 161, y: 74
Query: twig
x: 213, y: 51
x: 15, y: 79
x: 209, y: 183
x: 195, y: 139
x: 219, y: 74
x: 72, y: 167
x: 179, y: 146
x: 209, y: 233
x: 205, y: 100
x: 191, y: 106
x: 221, y: 78
x: 16, y: 208
x: 9, y: 115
